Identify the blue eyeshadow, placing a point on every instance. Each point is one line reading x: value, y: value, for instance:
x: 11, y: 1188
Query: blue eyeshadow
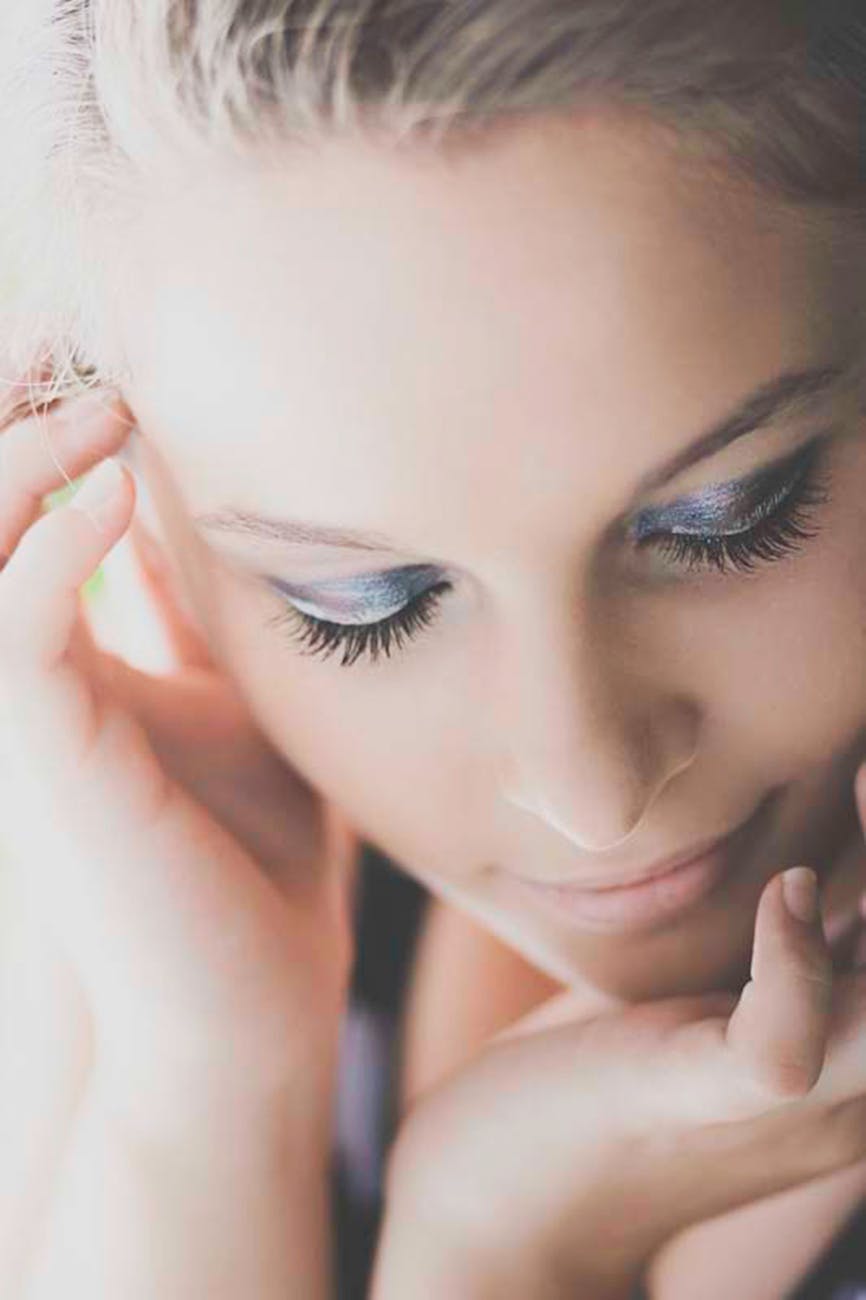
x: 365, y: 598
x: 726, y: 507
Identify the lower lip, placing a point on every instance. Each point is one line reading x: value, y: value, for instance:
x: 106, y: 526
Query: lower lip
x: 631, y: 907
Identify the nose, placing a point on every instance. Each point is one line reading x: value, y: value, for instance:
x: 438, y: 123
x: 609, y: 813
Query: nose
x: 593, y: 738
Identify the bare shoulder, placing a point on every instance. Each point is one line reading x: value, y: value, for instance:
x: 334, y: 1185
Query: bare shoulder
x: 466, y: 985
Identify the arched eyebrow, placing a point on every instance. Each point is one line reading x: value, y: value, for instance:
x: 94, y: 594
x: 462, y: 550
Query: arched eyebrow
x: 772, y: 401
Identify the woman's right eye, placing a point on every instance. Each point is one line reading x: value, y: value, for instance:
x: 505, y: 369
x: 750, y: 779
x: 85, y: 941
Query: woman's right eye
x: 323, y: 637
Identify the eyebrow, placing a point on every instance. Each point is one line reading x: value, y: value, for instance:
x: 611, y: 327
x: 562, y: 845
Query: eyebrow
x: 771, y: 401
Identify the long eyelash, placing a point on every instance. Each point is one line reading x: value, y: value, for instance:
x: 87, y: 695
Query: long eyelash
x: 771, y: 538
x: 323, y: 637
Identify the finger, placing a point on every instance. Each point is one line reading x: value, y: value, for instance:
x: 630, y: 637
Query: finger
x: 40, y: 454
x: 174, y: 930
x: 25, y: 395
x: 54, y: 558
x: 123, y: 894
x: 780, y: 1027
x: 83, y: 649
x: 48, y: 711
x: 767, y: 1046
x: 186, y: 643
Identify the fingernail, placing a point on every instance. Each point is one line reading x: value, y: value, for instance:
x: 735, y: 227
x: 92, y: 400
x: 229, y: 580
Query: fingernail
x: 800, y: 887
x: 99, y: 488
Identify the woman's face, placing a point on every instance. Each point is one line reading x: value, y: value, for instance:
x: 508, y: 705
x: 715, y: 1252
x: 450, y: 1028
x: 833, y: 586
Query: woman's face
x: 484, y: 381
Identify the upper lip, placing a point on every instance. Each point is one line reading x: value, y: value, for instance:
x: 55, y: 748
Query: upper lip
x: 649, y: 873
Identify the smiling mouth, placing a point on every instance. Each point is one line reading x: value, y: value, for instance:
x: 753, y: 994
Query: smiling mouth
x: 669, y: 890
x: 661, y: 868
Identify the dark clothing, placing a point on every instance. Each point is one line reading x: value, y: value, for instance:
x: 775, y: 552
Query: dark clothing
x: 841, y: 1273
x: 389, y: 909
x: 390, y: 906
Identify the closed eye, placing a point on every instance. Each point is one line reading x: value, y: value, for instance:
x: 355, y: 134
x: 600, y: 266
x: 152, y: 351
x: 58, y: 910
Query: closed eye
x: 768, y: 528
x: 771, y: 527
x: 323, y: 637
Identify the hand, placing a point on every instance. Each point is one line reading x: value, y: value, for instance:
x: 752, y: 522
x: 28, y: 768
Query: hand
x: 582, y: 1138
x: 212, y: 954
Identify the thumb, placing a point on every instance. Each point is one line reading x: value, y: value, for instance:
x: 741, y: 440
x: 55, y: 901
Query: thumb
x: 769, y: 1044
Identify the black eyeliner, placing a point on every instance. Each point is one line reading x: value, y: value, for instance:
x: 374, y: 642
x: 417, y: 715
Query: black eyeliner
x: 732, y: 505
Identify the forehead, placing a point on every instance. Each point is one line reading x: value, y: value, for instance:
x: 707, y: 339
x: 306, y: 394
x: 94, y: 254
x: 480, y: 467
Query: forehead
x: 569, y: 296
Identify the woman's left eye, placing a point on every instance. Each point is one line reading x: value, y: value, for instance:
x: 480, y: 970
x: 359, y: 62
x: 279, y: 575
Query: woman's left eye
x: 774, y: 528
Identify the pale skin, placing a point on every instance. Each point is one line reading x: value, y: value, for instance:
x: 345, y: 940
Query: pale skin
x: 573, y: 694
x: 166, y: 931
x: 468, y: 986
x: 662, y: 673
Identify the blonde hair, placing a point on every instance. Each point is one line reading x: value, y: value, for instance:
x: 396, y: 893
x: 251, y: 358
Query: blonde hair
x: 100, y: 98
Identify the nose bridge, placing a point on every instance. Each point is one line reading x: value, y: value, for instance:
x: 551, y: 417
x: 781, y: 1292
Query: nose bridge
x: 590, y: 739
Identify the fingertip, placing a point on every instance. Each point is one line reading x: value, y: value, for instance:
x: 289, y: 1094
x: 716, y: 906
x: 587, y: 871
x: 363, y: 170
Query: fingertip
x: 102, y: 493
x: 800, y: 893
x: 781, y: 923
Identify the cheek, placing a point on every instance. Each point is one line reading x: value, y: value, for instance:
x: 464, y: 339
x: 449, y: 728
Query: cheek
x: 379, y: 741
x: 785, y: 673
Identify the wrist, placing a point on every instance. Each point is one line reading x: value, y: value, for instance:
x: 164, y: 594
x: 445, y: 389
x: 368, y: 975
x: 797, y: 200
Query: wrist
x: 242, y: 1213
x: 197, y: 1109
